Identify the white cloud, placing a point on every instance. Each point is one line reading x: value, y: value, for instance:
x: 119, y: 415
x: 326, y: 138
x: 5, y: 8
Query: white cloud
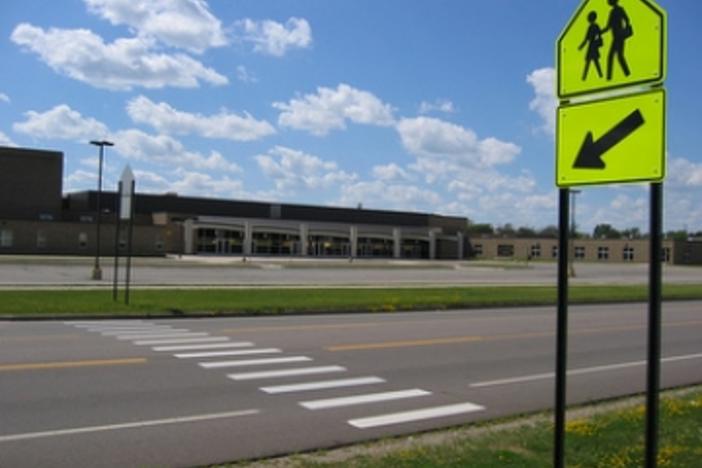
x: 120, y: 65
x: 440, y: 105
x: 427, y: 137
x: 6, y: 141
x: 291, y: 170
x: 381, y: 194
x: 166, y: 151
x: 204, y: 185
x: 390, y: 172
x: 244, y: 75
x: 329, y: 109
x: 4, y: 98
x: 273, y: 38
x: 61, y: 122
x: 684, y: 173
x: 544, y: 102
x: 186, y: 24
x: 166, y: 119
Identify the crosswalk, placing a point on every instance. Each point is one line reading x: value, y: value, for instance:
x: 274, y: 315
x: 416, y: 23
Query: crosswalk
x: 244, y: 362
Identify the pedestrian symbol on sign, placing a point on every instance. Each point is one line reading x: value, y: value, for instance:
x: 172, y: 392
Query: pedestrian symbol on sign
x: 620, y: 29
x: 611, y: 44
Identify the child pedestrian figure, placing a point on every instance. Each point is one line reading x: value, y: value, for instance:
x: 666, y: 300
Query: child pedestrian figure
x: 593, y: 40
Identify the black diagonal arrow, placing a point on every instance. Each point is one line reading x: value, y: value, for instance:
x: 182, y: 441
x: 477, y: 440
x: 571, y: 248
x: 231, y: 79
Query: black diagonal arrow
x: 591, y: 152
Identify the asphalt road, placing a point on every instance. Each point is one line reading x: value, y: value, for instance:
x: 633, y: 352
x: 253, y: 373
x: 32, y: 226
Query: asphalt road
x: 154, y: 393
x: 213, y: 271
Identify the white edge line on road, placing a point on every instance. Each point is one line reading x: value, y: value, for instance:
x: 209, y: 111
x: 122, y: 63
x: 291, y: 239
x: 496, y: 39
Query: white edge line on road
x: 237, y: 344
x: 240, y: 352
x: 301, y: 387
x: 181, y: 340
x: 133, y: 425
x: 363, y: 399
x: 416, y: 415
x: 253, y: 362
x: 585, y: 370
x: 286, y: 372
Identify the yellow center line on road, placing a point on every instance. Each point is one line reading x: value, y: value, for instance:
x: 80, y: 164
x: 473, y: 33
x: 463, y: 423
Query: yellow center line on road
x: 348, y: 326
x: 478, y: 338
x: 71, y: 364
x: 406, y: 344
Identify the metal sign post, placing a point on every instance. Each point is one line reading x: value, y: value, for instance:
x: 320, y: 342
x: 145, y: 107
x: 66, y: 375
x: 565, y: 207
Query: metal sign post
x: 126, y: 213
x: 653, y: 377
x: 129, y: 245
x: 562, y: 330
x: 612, y: 140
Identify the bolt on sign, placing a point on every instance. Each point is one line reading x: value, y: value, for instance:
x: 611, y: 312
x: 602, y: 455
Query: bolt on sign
x: 611, y: 45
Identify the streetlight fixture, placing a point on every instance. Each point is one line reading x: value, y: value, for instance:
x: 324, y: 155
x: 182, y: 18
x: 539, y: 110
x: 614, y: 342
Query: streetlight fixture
x: 97, y: 272
x: 571, y: 269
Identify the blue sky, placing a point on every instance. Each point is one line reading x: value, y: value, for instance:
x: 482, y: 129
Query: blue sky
x: 443, y: 107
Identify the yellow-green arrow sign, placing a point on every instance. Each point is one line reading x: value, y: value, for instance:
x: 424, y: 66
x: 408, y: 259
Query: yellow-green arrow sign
x: 611, y: 44
x: 612, y: 141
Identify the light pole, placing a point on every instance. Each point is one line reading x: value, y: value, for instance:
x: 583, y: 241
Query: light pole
x: 571, y: 269
x: 97, y: 272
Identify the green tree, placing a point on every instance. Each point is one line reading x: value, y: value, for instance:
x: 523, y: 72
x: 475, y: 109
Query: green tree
x: 479, y: 230
x: 606, y: 231
x: 549, y: 232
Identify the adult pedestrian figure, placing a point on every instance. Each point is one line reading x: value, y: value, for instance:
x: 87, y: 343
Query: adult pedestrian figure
x: 593, y: 40
x: 621, y: 29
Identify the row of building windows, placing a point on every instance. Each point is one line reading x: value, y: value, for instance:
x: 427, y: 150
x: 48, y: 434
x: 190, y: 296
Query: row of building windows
x: 7, y: 240
x: 579, y: 252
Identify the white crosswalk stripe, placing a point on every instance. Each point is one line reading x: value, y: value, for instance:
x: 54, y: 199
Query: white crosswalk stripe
x: 253, y: 362
x: 210, y: 339
x: 234, y: 344
x: 416, y: 415
x: 363, y: 399
x: 160, y: 336
x: 240, y: 352
x: 326, y: 384
x: 286, y: 372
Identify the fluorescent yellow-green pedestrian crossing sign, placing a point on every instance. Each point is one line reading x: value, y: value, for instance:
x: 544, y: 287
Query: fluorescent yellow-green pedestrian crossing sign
x: 611, y: 44
x: 612, y: 141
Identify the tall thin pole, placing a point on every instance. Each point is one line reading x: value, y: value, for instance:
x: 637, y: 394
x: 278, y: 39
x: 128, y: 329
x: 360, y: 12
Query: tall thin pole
x: 115, y: 274
x: 562, y: 331
x: 654, y: 325
x: 129, y: 248
x: 97, y: 271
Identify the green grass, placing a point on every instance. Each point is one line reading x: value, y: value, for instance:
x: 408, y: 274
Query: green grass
x: 281, y: 301
x: 610, y: 439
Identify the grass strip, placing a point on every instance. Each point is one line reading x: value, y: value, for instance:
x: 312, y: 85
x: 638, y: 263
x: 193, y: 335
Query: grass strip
x: 212, y: 302
x: 596, y: 438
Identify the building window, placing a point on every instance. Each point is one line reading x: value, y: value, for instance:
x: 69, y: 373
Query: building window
x: 41, y: 240
x: 554, y: 251
x: 6, y: 238
x: 505, y: 250
x: 665, y: 255
x: 580, y: 252
x: 602, y: 253
x: 478, y: 249
x: 535, y: 251
x: 83, y: 240
x: 628, y: 254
